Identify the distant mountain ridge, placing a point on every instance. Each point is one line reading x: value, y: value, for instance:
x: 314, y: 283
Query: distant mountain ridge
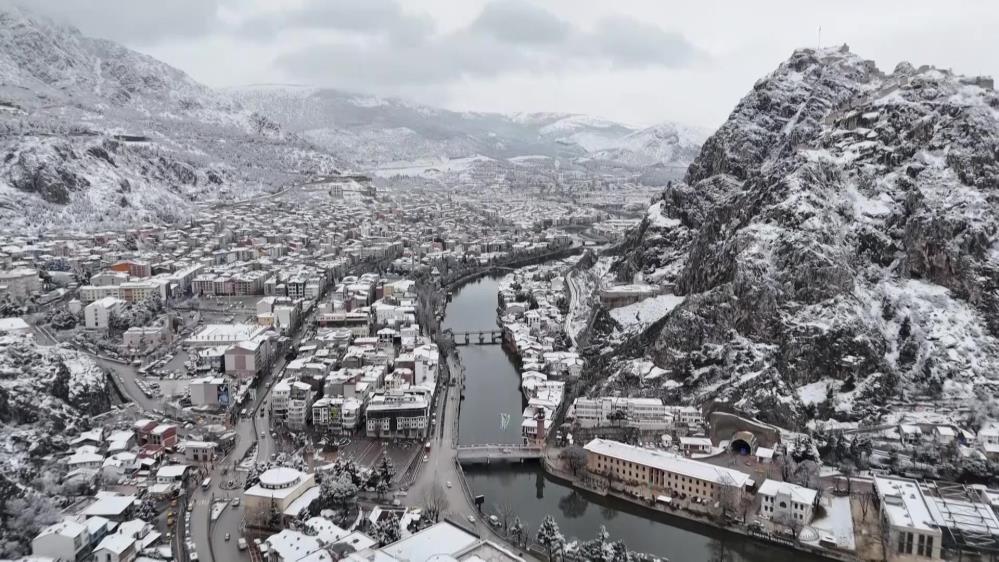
x: 372, y: 131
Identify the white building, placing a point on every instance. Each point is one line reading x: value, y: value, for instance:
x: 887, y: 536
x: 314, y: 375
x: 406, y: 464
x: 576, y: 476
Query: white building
x: 116, y: 548
x: 20, y: 283
x: 299, y: 405
x: 97, y: 315
x: 65, y: 540
x: 684, y: 416
x: 912, y: 533
x: 641, y: 413
x: 278, y: 487
x: 786, y: 502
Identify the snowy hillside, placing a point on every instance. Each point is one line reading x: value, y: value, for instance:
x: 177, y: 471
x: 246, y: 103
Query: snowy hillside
x: 376, y: 131
x: 666, y: 144
x: 47, y: 395
x: 94, y: 133
x: 838, y: 231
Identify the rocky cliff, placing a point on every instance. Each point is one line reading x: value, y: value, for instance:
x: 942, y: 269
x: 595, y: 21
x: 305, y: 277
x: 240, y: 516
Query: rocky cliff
x: 835, y: 241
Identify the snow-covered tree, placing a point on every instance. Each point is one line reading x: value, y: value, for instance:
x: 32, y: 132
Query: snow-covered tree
x: 20, y: 521
x: 550, y: 536
x: 387, y: 530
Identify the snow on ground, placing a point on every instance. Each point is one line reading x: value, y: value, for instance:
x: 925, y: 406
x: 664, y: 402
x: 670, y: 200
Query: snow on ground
x: 658, y: 220
x: 838, y: 522
x: 428, y: 167
x: 645, y: 312
x: 814, y: 393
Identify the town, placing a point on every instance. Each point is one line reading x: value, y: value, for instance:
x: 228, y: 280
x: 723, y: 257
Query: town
x: 284, y: 395
x: 498, y: 281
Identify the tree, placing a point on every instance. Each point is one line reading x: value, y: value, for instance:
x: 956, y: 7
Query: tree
x: 8, y: 308
x: 550, y: 537
x: 385, y: 469
x: 598, y: 549
x: 387, y: 530
x: 21, y: 519
x: 337, y: 492
x: 435, y: 502
x: 504, y: 512
x: 574, y: 457
x: 795, y: 525
x: 147, y: 510
x: 729, y: 494
x: 865, y: 499
x: 517, y: 530
x: 382, y: 488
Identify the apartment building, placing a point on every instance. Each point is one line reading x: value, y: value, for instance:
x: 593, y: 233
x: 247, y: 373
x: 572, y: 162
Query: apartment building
x: 657, y: 473
x: 20, y: 284
x: 641, y: 413
x: 97, y: 315
x: 398, y: 415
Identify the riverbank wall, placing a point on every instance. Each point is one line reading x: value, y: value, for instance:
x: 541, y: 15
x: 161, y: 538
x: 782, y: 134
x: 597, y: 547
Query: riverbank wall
x: 552, y: 469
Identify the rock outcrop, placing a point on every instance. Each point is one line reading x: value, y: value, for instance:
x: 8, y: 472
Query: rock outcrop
x: 836, y: 243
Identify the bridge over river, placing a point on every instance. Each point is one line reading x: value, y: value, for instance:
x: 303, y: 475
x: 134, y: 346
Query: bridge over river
x: 499, y: 453
x: 477, y: 337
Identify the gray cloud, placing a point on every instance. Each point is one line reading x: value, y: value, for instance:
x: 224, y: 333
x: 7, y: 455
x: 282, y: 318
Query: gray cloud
x: 378, y: 17
x: 134, y: 22
x: 629, y: 42
x: 519, y: 22
x: 505, y: 37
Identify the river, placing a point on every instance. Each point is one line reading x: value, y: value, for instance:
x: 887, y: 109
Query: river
x: 492, y: 389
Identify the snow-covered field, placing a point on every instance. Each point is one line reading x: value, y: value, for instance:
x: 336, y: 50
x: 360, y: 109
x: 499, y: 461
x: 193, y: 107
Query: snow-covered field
x: 645, y: 312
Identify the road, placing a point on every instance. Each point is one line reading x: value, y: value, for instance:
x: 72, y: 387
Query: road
x: 440, y: 467
x: 252, y: 430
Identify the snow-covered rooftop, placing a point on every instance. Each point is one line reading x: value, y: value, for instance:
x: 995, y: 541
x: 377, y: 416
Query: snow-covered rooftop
x: 668, y: 462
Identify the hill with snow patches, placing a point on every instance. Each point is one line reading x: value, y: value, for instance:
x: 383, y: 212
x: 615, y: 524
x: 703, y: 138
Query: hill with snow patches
x: 47, y: 396
x: 376, y: 132
x: 835, y: 245
x: 93, y: 134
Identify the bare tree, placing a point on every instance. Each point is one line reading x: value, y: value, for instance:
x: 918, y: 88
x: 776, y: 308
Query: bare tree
x: 865, y: 499
x: 435, y: 502
x: 728, y: 495
x: 795, y: 525
x: 505, y: 513
x: 574, y: 457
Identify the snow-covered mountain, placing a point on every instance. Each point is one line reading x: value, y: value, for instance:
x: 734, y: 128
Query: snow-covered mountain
x: 836, y: 244
x: 375, y: 131
x: 667, y: 144
x: 92, y: 132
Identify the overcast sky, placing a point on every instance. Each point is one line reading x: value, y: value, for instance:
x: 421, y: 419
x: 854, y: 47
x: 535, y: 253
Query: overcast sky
x: 636, y: 61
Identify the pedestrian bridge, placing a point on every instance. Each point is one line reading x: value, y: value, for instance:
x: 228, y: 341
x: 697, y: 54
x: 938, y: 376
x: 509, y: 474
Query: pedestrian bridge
x: 499, y: 453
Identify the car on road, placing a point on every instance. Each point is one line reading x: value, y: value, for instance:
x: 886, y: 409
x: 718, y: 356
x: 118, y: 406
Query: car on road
x: 448, y: 483
x: 263, y: 434
x: 227, y: 537
x: 235, y: 502
x: 425, y: 458
x: 241, y: 543
x: 471, y: 519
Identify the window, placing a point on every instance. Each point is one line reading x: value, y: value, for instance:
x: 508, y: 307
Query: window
x: 920, y: 545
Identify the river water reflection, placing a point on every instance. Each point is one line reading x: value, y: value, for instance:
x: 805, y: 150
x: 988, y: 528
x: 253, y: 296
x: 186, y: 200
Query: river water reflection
x: 492, y: 389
